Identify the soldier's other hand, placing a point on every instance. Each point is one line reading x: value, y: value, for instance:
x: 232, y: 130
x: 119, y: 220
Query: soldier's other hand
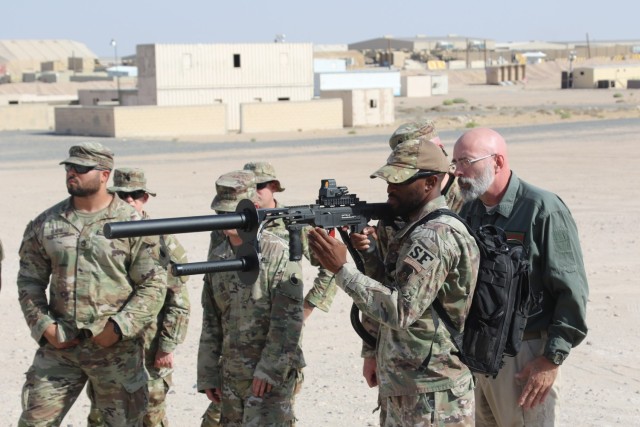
x: 163, y: 360
x: 213, y: 394
x: 51, y: 335
x: 107, y: 337
x: 539, y: 374
x: 362, y: 241
x: 369, y: 371
x: 329, y: 252
x: 260, y: 387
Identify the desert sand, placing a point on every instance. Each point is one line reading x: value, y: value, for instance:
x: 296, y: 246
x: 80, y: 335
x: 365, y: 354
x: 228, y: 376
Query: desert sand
x: 590, y: 159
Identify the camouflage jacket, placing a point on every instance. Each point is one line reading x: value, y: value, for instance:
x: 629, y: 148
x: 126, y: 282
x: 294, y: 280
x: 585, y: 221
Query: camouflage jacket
x: 252, y: 331
x: 90, y: 277
x: 324, y: 288
x: 173, y: 319
x: 437, y: 259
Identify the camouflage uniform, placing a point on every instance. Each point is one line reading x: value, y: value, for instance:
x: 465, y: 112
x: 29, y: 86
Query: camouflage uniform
x: 324, y: 289
x: 320, y: 295
x: 251, y: 331
x: 426, y: 130
x: 91, y: 280
x: 170, y: 329
x: 421, y: 379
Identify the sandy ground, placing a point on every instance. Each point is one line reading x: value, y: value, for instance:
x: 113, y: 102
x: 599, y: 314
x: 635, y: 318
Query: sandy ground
x: 593, y: 168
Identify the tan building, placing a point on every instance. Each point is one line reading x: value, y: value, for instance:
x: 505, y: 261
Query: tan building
x: 605, y: 76
x: 27, y: 56
x: 229, y: 74
x: 365, y: 107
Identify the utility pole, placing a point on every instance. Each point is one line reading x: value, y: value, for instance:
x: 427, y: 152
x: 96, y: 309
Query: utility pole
x: 115, y: 60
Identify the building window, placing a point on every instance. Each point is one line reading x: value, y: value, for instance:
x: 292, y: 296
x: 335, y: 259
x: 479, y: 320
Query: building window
x: 284, y: 99
x: 373, y: 103
x: 236, y: 60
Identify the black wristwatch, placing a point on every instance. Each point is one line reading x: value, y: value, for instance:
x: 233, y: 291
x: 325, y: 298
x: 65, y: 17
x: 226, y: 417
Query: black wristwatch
x: 116, y: 329
x: 556, y: 358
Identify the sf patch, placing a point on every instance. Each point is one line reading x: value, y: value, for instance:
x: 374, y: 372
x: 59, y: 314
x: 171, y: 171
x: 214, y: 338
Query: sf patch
x: 419, y: 258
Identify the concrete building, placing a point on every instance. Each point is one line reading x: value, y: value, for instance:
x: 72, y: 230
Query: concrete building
x: 229, y: 74
x: 365, y: 107
x: 27, y: 56
x: 423, y: 43
x: 605, y: 76
x: 369, y: 79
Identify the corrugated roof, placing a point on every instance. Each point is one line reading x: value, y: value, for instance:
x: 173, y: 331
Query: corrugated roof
x: 43, y: 50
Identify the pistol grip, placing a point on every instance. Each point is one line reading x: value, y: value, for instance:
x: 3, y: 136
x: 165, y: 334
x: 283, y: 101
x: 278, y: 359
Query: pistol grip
x: 295, y: 244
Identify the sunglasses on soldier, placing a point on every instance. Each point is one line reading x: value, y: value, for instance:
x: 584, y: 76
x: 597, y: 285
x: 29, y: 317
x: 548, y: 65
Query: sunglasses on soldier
x: 80, y: 170
x: 135, y: 195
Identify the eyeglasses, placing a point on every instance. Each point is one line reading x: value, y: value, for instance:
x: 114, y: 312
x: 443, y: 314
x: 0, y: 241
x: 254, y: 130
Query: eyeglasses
x: 80, y: 170
x: 262, y: 185
x: 465, y: 163
x: 135, y: 195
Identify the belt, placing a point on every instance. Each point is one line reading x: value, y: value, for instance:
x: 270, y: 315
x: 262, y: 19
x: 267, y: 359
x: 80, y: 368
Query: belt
x: 531, y: 335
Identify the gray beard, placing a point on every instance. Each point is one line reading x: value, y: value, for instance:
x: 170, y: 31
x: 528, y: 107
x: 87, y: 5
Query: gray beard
x: 477, y: 186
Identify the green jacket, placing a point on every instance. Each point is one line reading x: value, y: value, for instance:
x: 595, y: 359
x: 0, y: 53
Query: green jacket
x: 89, y: 277
x: 543, y: 223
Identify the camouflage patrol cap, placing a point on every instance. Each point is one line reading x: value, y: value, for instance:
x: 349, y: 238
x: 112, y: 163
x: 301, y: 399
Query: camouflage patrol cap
x: 422, y: 129
x: 233, y: 187
x: 90, y: 154
x: 411, y: 157
x: 129, y: 180
x: 265, y: 172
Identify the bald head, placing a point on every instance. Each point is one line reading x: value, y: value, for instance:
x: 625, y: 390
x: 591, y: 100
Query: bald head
x: 482, y: 141
x: 487, y: 174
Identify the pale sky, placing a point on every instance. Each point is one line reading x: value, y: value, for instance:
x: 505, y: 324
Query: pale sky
x: 132, y: 22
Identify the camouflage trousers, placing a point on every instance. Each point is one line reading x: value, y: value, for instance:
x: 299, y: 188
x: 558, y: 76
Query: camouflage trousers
x: 211, y: 417
x: 440, y: 408
x: 156, y: 415
x: 239, y: 407
x: 56, y: 378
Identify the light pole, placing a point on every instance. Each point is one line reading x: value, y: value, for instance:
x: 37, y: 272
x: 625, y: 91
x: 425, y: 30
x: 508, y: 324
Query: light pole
x: 115, y: 60
x: 572, y: 57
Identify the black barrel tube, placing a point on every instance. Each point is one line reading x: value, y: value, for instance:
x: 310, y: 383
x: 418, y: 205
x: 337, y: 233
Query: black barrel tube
x: 209, y: 267
x: 190, y: 224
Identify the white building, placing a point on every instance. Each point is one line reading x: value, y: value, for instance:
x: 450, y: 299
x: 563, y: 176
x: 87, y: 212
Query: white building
x: 230, y: 74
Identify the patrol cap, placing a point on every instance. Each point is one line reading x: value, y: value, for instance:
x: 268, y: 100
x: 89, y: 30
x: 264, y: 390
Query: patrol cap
x: 233, y: 187
x: 421, y: 129
x: 129, y: 180
x: 265, y: 172
x: 90, y: 154
x: 410, y: 157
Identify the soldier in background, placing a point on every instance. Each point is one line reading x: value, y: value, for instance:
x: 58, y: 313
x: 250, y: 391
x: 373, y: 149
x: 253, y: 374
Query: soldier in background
x: 102, y: 294
x: 324, y: 289
x: 249, y: 353
x: 163, y: 336
x: 425, y: 129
